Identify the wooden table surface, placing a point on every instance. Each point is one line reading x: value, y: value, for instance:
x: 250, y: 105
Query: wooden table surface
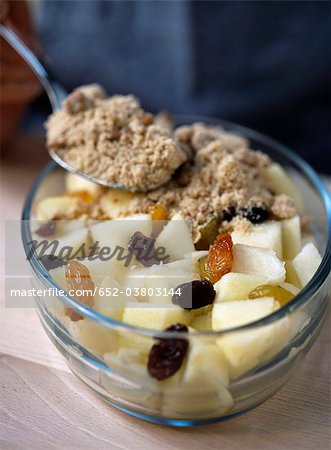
x: 44, y: 406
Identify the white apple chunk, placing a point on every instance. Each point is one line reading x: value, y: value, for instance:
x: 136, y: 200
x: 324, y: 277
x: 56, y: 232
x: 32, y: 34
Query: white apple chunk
x: 291, y: 237
x: 157, y: 318
x: 205, y: 365
x: 96, y: 338
x: 176, y: 238
x: 75, y: 183
x: 132, y: 381
x: 160, y: 280
x: 306, y: 263
x: 113, y: 233
x: 73, y: 245
x: 240, y: 312
x: 193, y: 394
x: 266, y: 235
x: 281, y: 183
x: 114, y: 202
x: 291, y: 275
x: 236, y: 286
x: 110, y: 298
x: 100, y: 268
x: 245, y: 349
x: 258, y: 261
x: 58, y: 206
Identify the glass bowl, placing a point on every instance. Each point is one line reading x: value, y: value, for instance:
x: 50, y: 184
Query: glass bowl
x: 123, y: 381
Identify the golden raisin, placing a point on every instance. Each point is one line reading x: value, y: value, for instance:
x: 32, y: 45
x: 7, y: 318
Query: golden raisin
x: 219, y: 260
x: 159, y: 212
x: 80, y: 286
x: 208, y: 234
x: 267, y: 290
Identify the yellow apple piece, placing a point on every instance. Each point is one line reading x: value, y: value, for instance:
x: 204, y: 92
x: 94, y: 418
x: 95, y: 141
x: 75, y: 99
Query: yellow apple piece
x: 266, y: 235
x: 291, y: 235
x: 306, y: 263
x: 96, y: 338
x: 236, y: 286
x: 176, y: 238
x: 58, y: 206
x: 280, y: 183
x: 258, y: 261
x: 76, y: 183
x: 246, y: 349
x: 114, y: 202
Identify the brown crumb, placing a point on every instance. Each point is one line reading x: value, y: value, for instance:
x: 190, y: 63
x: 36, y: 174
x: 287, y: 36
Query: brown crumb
x: 283, y: 207
x: 114, y: 139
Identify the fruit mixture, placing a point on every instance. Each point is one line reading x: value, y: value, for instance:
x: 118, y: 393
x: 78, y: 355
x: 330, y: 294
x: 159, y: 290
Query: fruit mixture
x: 234, y: 250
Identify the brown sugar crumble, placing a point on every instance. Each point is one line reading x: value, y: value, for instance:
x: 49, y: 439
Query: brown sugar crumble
x: 114, y: 139
x: 223, y: 175
x: 210, y: 176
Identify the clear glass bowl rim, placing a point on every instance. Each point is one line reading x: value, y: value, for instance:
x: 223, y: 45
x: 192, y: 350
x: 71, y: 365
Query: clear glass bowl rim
x: 304, y: 295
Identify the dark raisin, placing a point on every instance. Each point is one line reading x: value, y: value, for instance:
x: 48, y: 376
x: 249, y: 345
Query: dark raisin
x: 166, y: 357
x: 143, y: 248
x: 178, y: 327
x: 51, y: 262
x: 229, y: 213
x: 255, y: 214
x: 47, y: 229
x: 194, y: 295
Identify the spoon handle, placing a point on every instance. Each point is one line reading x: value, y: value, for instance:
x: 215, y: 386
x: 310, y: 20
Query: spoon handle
x: 54, y: 91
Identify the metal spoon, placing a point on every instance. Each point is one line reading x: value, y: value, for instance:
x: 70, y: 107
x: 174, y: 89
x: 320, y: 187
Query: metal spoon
x: 56, y: 94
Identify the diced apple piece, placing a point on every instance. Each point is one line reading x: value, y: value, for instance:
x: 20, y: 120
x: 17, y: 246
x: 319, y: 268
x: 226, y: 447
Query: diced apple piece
x: 205, y: 365
x: 281, y: 183
x: 155, y: 318
x: 100, y: 269
x: 291, y: 275
x: 240, y: 312
x: 75, y: 183
x: 114, y: 202
x: 291, y: 234
x: 93, y: 336
x: 112, y: 233
x: 266, y: 235
x: 200, y: 387
x: 59, y: 206
x: 244, y: 350
x: 258, y: 261
x: 306, y: 263
x: 176, y: 238
x: 129, y: 379
x: 110, y: 298
x: 160, y: 280
x: 141, y: 315
x: 236, y: 286
x: 73, y: 245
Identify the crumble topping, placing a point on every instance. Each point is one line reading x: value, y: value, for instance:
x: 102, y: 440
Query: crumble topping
x: 223, y: 174
x: 207, y: 174
x: 114, y: 139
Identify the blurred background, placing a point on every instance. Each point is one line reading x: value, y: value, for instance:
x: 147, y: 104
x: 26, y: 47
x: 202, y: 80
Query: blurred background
x: 266, y: 65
